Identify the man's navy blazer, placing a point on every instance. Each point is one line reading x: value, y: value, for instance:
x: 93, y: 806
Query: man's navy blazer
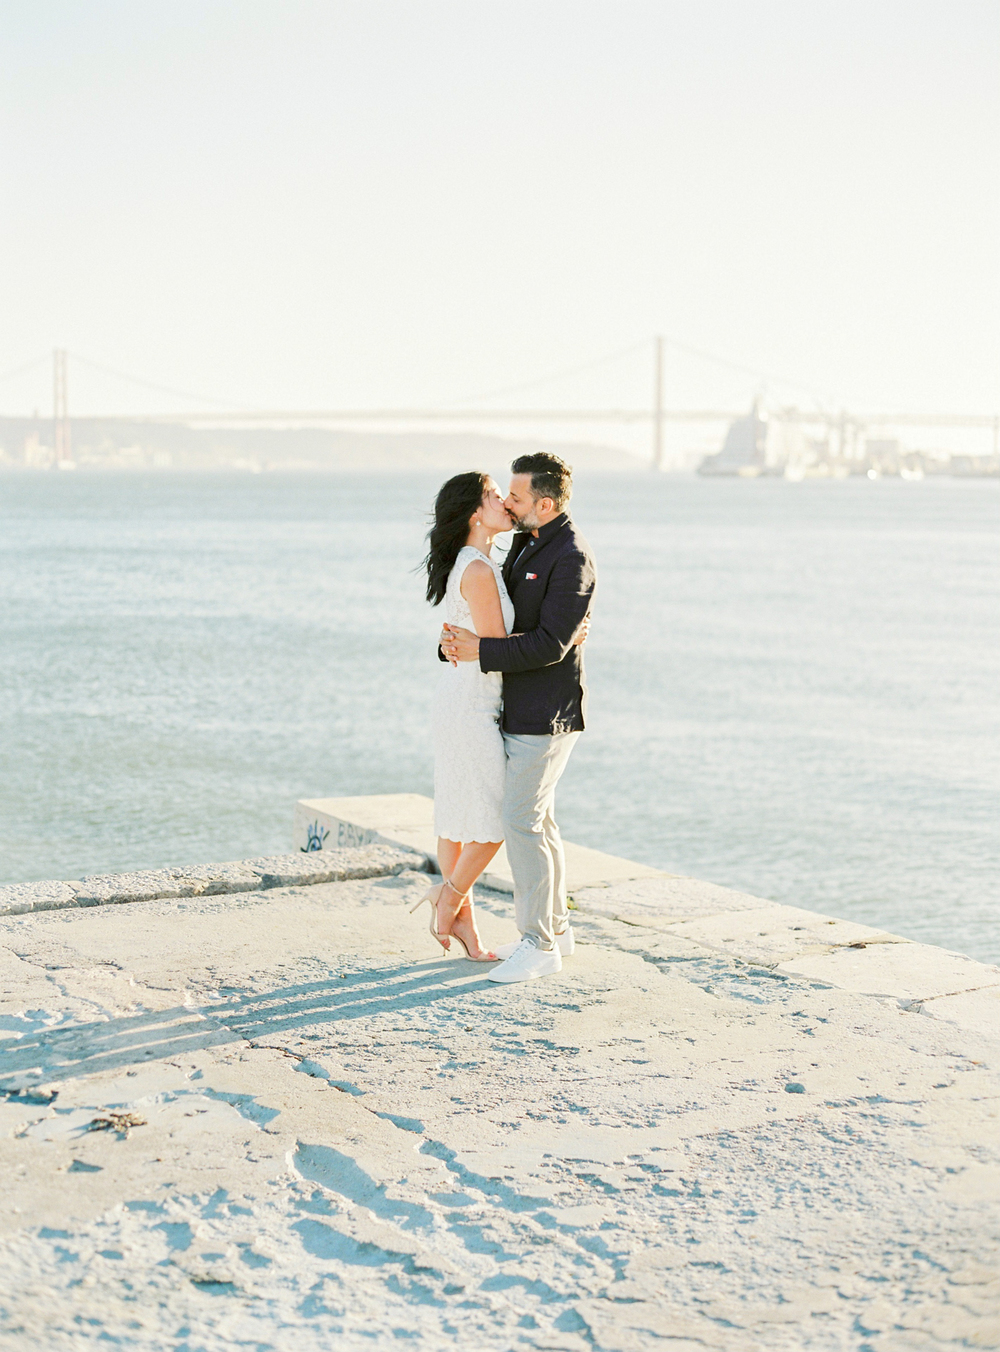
x: 551, y: 581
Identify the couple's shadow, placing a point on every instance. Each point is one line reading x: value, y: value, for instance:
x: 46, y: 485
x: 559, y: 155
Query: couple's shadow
x: 48, y: 1055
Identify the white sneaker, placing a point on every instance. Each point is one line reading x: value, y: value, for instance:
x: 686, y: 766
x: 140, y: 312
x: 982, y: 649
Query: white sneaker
x: 565, y: 943
x: 526, y: 963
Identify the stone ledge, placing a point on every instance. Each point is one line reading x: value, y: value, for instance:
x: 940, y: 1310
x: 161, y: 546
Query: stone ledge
x: 917, y: 975
x: 978, y: 1010
x: 407, y: 819
x: 19, y: 898
x: 205, y: 880
x: 791, y: 941
x: 662, y: 901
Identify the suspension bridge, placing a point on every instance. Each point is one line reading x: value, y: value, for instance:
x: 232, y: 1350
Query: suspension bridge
x: 844, y: 428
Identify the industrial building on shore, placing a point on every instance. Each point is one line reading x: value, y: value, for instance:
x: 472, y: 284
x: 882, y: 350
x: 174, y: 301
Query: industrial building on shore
x: 764, y: 443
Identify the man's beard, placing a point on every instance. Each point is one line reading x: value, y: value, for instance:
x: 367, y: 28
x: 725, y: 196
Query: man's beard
x: 529, y: 521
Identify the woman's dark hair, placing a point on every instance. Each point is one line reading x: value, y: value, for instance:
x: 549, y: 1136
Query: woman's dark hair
x: 455, y: 503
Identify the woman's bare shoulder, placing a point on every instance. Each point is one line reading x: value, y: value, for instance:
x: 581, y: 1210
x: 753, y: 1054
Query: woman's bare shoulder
x: 479, y: 575
x: 478, y: 568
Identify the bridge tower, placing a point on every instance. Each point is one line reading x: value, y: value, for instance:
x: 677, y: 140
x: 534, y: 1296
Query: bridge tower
x: 658, y: 405
x: 60, y: 408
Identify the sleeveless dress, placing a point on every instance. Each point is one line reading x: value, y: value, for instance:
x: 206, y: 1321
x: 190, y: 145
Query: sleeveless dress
x: 469, y: 761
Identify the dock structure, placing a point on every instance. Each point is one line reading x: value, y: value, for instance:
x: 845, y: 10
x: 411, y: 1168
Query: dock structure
x: 407, y: 820
x: 252, y: 1104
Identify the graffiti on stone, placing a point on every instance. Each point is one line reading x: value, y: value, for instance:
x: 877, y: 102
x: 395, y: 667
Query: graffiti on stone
x: 315, y: 836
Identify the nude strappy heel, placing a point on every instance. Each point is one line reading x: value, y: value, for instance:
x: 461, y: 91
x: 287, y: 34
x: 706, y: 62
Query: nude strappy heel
x: 485, y: 955
x: 433, y: 896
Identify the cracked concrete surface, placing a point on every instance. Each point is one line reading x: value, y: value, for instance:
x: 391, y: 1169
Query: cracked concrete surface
x: 693, y: 1137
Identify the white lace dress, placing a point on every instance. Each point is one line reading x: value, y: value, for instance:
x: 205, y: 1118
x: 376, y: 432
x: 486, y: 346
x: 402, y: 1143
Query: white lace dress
x: 469, y: 761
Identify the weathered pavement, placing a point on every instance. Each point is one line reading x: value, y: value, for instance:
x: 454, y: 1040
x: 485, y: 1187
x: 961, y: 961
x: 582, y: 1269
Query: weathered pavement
x: 349, y: 1139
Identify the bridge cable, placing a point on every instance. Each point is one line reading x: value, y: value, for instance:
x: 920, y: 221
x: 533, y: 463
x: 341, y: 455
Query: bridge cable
x: 552, y: 375
x: 27, y: 366
x: 162, y: 389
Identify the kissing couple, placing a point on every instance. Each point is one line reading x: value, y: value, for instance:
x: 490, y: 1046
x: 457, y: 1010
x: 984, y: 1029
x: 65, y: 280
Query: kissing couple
x: 510, y: 702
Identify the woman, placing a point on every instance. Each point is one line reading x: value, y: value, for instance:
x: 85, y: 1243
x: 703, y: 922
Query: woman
x: 469, y: 762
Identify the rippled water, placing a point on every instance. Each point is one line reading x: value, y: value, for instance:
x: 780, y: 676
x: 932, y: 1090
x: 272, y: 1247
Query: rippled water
x: 795, y: 687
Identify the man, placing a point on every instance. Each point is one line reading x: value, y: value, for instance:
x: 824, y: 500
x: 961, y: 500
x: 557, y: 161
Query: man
x: 550, y: 576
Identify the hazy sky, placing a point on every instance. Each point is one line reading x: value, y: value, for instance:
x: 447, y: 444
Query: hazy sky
x: 302, y: 204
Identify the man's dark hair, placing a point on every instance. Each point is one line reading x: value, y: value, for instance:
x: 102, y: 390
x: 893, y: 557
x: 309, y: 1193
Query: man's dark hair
x: 550, y: 476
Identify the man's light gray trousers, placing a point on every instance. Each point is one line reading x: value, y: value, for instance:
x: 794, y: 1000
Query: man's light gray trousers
x: 534, y: 846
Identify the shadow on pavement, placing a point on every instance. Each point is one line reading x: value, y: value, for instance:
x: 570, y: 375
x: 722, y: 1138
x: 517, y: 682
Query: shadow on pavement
x: 48, y: 1055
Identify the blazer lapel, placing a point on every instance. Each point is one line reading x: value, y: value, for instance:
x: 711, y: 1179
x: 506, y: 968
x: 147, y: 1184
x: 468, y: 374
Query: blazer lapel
x: 517, y: 544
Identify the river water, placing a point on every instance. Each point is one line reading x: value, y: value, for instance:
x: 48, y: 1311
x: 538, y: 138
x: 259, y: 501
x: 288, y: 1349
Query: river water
x: 795, y: 688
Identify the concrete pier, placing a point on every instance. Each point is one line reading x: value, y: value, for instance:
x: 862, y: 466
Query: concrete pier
x: 407, y: 820
x: 262, y: 1109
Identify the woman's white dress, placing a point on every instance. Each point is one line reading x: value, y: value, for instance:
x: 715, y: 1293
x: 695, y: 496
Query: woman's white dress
x: 469, y: 761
